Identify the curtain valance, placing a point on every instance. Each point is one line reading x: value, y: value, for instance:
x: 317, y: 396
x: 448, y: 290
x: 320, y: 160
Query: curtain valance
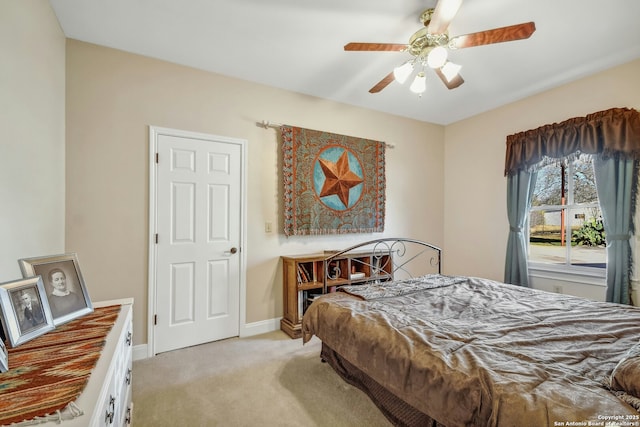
x: 610, y: 133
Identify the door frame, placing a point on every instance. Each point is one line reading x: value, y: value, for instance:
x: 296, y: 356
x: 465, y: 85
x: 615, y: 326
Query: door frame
x: 154, y: 133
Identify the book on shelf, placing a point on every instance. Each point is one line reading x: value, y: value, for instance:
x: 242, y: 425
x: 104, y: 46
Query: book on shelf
x: 307, y: 273
x: 379, y: 265
x: 300, y: 304
x: 376, y: 265
x: 303, y: 274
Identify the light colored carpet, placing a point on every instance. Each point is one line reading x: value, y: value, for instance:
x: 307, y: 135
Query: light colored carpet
x: 265, y: 380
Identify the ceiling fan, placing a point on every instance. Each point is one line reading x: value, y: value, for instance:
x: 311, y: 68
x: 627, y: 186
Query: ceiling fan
x: 429, y: 47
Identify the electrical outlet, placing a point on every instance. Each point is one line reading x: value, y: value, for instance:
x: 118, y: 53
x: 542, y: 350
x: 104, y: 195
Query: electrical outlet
x: 268, y: 227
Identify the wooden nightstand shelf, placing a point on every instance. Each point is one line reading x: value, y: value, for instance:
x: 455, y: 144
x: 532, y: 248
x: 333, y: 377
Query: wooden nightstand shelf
x: 304, y: 278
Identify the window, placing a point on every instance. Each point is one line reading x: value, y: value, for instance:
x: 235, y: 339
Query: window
x: 565, y: 221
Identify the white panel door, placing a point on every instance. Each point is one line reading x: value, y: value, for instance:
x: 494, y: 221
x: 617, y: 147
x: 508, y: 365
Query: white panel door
x: 198, y: 224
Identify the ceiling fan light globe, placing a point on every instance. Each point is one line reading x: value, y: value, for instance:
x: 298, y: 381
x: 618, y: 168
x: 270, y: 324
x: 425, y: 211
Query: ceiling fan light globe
x: 419, y: 84
x: 437, y: 57
x: 402, y: 73
x: 450, y: 70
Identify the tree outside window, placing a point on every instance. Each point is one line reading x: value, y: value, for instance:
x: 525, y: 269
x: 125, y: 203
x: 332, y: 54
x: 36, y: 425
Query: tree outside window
x: 565, y: 221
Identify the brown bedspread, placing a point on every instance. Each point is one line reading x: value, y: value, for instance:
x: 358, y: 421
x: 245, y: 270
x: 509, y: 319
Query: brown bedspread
x: 482, y: 353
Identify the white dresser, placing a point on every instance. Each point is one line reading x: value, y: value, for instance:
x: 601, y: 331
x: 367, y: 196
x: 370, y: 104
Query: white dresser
x: 106, y: 400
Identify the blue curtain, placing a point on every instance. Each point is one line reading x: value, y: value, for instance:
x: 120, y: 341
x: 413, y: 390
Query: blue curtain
x: 615, y: 182
x: 613, y: 134
x: 520, y: 186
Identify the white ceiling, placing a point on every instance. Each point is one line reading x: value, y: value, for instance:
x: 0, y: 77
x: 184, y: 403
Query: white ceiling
x: 297, y: 45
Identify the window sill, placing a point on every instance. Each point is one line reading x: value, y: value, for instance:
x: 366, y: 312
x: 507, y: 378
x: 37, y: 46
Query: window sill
x: 585, y: 275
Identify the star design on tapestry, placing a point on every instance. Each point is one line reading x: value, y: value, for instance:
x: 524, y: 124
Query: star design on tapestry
x: 339, y: 178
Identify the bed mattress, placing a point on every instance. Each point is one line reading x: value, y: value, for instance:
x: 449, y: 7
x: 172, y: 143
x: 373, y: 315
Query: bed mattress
x: 475, y: 352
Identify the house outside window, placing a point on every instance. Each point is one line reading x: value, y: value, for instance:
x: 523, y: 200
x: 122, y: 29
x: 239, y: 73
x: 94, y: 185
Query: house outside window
x: 565, y: 221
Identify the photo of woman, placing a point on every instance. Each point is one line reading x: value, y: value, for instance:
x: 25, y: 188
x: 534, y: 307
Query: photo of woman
x: 65, y: 290
x: 61, y: 299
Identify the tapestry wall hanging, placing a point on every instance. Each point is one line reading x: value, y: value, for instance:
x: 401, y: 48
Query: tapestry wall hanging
x: 333, y: 184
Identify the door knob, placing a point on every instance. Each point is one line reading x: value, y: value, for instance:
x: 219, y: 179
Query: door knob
x: 233, y: 250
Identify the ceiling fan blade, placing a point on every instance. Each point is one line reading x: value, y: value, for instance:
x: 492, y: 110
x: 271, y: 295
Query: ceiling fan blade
x: 443, y: 15
x: 497, y: 35
x: 454, y: 83
x: 375, y: 47
x: 382, y: 83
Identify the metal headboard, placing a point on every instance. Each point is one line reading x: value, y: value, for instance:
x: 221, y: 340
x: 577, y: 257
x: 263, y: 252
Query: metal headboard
x: 405, y: 253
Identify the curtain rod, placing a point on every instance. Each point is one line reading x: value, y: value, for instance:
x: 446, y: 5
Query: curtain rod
x: 267, y: 124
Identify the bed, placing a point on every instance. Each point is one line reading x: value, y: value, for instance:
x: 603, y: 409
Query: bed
x: 437, y: 350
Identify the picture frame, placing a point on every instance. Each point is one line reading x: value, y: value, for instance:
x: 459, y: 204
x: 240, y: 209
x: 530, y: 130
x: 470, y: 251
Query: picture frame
x: 64, y: 286
x: 25, y: 310
x: 4, y: 358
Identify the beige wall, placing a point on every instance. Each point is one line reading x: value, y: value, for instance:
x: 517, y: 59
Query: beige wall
x: 112, y: 98
x: 476, y: 225
x: 32, y: 171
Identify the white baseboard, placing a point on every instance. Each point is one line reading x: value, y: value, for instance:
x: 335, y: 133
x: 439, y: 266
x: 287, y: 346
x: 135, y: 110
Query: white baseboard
x: 139, y: 352
x: 261, y: 327
x: 247, y: 330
